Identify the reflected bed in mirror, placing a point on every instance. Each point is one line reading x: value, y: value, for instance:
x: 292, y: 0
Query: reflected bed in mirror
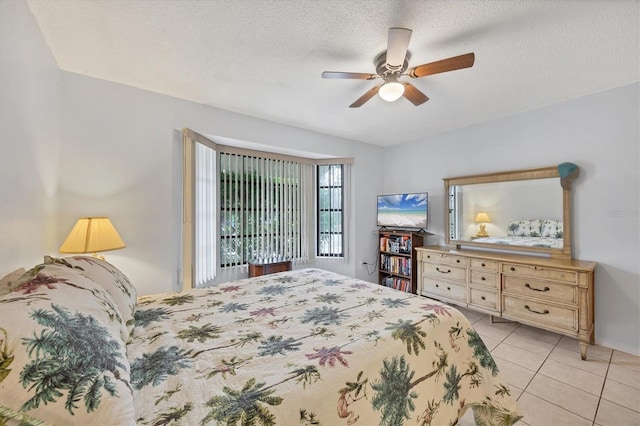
x: 522, y: 210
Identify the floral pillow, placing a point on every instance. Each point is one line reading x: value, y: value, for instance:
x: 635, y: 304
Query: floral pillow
x: 552, y: 229
x: 524, y: 228
x: 63, y: 358
x: 110, y: 278
x: 9, y: 282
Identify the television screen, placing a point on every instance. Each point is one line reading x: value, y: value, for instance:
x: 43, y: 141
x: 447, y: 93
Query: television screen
x: 403, y: 210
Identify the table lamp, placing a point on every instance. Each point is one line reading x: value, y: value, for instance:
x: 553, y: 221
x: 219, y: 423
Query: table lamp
x: 91, y: 235
x: 482, y: 218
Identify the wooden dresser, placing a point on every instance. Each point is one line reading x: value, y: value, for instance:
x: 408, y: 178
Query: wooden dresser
x: 549, y: 293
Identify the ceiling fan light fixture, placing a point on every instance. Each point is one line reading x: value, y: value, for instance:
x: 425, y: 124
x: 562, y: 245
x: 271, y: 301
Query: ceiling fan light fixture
x: 391, y: 90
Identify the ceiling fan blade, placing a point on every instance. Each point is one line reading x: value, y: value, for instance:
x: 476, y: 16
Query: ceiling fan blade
x: 364, y: 98
x: 450, y: 64
x: 415, y: 96
x: 352, y: 75
x: 397, y: 47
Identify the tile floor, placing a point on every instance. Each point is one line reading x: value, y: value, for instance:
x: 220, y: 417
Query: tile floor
x: 553, y: 385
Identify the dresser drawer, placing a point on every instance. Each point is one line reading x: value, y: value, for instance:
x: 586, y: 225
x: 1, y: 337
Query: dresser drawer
x: 484, y: 278
x: 489, y: 265
x: 540, y: 314
x: 444, y: 289
x: 444, y: 259
x: 564, y: 293
x: 540, y: 272
x: 483, y: 298
x: 447, y: 272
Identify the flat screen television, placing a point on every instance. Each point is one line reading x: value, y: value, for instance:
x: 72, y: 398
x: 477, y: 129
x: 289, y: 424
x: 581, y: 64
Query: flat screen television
x: 408, y: 210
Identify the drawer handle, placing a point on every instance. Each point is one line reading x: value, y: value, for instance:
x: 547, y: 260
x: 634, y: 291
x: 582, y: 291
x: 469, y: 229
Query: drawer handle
x: 546, y: 311
x: 443, y: 272
x: 536, y: 289
x: 483, y: 298
x: 512, y: 269
x: 457, y: 260
x: 437, y: 285
x: 483, y: 279
x: 448, y: 288
x: 483, y: 264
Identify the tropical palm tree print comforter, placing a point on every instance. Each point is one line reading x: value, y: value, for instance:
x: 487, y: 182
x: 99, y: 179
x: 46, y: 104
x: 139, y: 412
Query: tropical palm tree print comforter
x: 309, y: 347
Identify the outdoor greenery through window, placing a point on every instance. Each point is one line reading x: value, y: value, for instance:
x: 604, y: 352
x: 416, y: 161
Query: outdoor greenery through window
x: 261, y: 209
x: 330, y: 209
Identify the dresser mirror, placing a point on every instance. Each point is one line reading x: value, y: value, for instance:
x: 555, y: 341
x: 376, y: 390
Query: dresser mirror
x: 522, y: 210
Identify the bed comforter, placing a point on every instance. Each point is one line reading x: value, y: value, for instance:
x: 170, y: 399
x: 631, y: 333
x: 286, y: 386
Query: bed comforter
x: 303, y: 347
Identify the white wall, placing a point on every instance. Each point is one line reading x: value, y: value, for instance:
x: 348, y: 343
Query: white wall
x: 29, y: 139
x: 600, y: 133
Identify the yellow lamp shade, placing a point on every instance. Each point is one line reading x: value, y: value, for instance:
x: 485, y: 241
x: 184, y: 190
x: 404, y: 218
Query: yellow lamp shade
x: 91, y: 235
x: 482, y: 217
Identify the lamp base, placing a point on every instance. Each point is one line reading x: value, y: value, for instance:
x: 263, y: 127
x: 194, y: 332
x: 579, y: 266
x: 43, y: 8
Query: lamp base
x: 483, y: 231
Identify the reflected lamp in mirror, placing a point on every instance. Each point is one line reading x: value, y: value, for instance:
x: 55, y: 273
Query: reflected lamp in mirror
x: 482, y: 218
x: 92, y: 235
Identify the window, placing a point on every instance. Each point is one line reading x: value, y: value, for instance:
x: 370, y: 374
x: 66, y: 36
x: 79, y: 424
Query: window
x: 330, y: 215
x: 240, y: 204
x: 262, y: 209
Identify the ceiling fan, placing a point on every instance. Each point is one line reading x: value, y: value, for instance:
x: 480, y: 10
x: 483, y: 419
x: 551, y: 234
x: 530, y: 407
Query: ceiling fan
x: 392, y: 64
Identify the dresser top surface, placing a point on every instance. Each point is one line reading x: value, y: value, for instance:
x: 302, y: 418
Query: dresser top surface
x: 510, y: 257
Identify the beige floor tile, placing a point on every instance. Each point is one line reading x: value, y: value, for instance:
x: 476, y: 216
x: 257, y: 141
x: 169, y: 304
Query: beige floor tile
x: 529, y: 344
x: 515, y: 375
x: 584, y: 380
x: 538, y: 412
x: 539, y: 334
x: 624, y: 375
x: 490, y: 343
x: 566, y: 396
x: 496, y: 331
x: 625, y: 360
x: 591, y: 364
x: 473, y: 316
x: 622, y: 394
x: 521, y: 357
x: 610, y: 414
x: 593, y: 351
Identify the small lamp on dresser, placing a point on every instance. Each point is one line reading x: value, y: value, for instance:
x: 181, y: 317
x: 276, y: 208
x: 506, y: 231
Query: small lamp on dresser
x: 92, y: 235
x: 482, y: 218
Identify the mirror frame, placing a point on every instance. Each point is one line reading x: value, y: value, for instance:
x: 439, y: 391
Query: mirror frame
x: 508, y: 176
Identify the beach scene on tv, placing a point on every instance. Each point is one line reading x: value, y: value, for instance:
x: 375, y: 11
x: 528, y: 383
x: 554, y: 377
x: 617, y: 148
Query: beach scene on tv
x: 403, y: 210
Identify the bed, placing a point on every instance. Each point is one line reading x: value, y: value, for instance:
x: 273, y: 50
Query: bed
x: 545, y: 233
x: 305, y: 347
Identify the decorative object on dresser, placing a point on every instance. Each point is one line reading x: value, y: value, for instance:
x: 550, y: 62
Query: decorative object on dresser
x: 539, y: 285
x: 261, y: 267
x: 92, y: 235
x: 397, y: 259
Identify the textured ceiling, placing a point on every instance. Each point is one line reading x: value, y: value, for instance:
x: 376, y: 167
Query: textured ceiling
x: 264, y: 58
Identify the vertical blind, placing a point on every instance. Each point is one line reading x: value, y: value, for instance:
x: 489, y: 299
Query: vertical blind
x: 264, y: 209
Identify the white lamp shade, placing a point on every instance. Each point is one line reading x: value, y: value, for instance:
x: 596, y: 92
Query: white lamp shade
x: 91, y: 235
x: 391, y: 91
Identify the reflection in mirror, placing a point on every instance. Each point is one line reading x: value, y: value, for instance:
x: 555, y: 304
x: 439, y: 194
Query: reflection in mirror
x: 502, y: 204
x: 522, y: 210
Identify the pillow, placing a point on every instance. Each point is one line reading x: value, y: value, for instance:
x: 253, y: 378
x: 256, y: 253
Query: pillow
x: 110, y: 278
x: 9, y: 281
x: 552, y: 228
x: 63, y: 356
x: 524, y: 228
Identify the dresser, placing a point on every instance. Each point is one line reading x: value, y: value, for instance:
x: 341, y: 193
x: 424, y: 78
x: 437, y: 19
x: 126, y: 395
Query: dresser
x: 548, y: 293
